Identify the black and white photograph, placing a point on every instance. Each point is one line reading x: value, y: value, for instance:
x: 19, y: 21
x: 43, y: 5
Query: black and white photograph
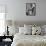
x: 30, y: 9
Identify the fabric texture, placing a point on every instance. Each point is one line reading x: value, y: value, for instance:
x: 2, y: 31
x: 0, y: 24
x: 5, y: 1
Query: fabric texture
x: 21, y: 30
x: 36, y: 30
x: 44, y: 30
x: 25, y: 30
x: 13, y: 30
x: 28, y: 28
x: 28, y: 40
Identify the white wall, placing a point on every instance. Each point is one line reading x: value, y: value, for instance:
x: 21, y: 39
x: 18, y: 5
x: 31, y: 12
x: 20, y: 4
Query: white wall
x: 16, y: 10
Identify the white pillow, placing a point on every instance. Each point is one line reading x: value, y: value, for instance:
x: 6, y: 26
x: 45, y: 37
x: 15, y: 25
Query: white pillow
x: 36, y: 30
x: 42, y: 30
x: 44, y: 27
x: 28, y: 31
x: 13, y: 30
x: 28, y: 26
x: 23, y: 30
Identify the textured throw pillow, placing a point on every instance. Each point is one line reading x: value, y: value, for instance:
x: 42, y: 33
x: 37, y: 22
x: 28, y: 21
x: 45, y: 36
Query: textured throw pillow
x: 28, y: 28
x: 23, y: 30
x: 33, y: 30
x: 13, y: 30
x: 36, y: 30
x: 28, y: 31
x: 44, y: 29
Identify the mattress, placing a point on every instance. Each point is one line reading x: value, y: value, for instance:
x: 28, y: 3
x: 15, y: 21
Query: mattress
x: 28, y: 40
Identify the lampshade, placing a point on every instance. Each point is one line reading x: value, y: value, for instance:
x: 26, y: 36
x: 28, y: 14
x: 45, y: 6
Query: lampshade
x: 9, y: 22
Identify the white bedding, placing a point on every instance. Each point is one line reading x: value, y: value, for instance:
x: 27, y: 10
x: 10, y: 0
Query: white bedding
x: 29, y: 40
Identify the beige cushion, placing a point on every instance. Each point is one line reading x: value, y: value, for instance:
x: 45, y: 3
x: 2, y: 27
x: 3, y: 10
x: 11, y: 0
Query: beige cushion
x: 25, y: 30
x: 36, y: 30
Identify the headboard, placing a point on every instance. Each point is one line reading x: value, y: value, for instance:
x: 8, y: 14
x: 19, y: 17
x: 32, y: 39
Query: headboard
x: 21, y: 23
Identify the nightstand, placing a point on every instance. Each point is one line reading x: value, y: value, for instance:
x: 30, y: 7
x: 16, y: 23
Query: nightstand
x: 6, y: 40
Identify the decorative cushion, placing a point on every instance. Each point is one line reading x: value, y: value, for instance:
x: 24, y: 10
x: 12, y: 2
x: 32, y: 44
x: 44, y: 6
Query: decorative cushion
x: 23, y: 30
x: 44, y: 29
x: 13, y: 30
x: 28, y: 31
x: 28, y: 28
x: 36, y: 30
x: 44, y: 26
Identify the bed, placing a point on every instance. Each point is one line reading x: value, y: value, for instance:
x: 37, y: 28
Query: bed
x: 29, y: 40
x: 21, y: 39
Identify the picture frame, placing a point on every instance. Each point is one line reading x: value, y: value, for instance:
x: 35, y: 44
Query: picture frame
x: 30, y: 9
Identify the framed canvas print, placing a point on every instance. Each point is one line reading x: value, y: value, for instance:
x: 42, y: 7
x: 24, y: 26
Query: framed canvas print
x: 30, y: 9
